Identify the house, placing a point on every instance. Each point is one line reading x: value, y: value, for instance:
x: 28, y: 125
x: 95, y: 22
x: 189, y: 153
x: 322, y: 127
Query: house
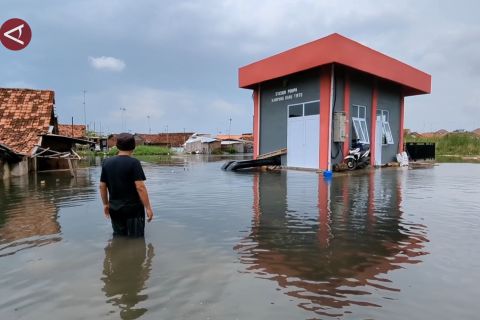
x: 171, y: 140
x: 236, y: 146
x: 78, y: 131
x: 202, y: 144
x: 29, y: 138
x: 240, y: 143
x: 441, y: 132
x: 316, y: 98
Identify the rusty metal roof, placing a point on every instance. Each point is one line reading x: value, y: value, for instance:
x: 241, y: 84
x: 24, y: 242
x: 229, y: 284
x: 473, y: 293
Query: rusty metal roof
x: 24, y: 115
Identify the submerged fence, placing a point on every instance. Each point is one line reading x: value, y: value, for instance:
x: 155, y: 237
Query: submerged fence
x: 420, y: 150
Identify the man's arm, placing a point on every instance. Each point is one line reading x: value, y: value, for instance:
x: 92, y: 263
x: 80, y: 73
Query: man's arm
x: 104, y: 195
x: 143, y: 193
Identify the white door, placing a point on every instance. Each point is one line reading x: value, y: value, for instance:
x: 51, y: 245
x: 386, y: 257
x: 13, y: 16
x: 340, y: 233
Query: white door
x: 303, y: 135
x: 295, y: 142
x: 378, y: 141
x: 312, y: 141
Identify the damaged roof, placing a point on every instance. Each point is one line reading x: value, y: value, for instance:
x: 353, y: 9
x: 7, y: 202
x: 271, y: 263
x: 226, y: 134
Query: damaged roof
x: 24, y: 115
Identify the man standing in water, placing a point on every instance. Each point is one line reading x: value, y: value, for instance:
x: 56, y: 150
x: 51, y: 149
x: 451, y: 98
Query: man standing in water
x: 123, y: 191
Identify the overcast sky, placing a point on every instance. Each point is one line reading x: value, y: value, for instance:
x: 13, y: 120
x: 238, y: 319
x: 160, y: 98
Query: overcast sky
x: 177, y: 61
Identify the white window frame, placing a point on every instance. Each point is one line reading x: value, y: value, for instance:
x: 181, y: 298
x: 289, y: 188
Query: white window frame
x: 360, y: 124
x: 303, y: 108
x: 387, y: 137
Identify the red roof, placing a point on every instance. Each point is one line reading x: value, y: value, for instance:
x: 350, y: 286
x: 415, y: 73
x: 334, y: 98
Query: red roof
x: 79, y: 130
x: 25, y: 114
x: 335, y: 48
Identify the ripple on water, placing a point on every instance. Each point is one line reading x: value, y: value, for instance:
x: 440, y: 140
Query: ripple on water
x: 223, y: 245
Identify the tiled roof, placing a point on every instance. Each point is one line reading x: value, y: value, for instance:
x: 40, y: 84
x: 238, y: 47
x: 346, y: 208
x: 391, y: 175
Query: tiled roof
x: 229, y: 136
x: 24, y: 114
x: 173, y: 139
x: 66, y: 130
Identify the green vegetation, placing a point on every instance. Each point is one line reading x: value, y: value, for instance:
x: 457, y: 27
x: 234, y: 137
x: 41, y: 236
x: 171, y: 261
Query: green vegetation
x: 143, y: 150
x: 459, y: 144
x: 217, y: 152
x: 231, y: 151
x: 86, y: 153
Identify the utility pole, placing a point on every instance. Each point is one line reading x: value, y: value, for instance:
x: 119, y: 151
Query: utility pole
x: 123, y: 116
x: 149, y: 128
x: 167, y: 136
x: 229, y: 126
x: 84, y: 110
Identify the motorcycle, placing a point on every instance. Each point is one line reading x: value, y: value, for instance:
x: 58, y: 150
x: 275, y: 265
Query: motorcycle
x: 358, y: 156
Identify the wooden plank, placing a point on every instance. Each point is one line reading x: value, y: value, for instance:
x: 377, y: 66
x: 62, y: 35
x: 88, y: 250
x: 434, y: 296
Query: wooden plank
x: 76, y: 154
x: 272, y: 154
x: 70, y: 166
x: 41, y: 152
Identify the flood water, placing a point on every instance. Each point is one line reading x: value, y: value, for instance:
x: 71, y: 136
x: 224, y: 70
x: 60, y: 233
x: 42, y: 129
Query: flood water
x: 392, y: 244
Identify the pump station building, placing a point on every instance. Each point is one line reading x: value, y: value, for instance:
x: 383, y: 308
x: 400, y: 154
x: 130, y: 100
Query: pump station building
x: 316, y: 98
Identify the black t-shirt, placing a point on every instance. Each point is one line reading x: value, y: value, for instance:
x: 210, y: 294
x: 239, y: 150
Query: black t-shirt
x: 120, y: 174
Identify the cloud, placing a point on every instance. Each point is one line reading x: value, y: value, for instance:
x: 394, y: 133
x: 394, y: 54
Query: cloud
x: 183, y: 65
x: 156, y: 109
x: 107, y: 63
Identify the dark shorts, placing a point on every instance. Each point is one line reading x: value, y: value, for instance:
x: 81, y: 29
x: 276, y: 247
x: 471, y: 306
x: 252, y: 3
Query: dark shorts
x: 128, y: 221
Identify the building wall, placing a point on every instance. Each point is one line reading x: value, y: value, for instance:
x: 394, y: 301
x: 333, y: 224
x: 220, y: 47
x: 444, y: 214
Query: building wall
x: 361, y: 87
x: 195, y: 146
x: 200, y: 147
x: 18, y: 169
x: 238, y: 147
x: 3, y: 169
x: 209, y: 148
x: 389, y: 99
x: 273, y: 114
x: 338, y: 106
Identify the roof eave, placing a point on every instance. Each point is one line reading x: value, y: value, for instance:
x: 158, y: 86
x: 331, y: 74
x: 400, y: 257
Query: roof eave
x: 334, y: 49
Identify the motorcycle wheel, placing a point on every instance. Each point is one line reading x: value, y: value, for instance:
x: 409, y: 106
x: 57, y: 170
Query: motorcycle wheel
x: 351, y: 164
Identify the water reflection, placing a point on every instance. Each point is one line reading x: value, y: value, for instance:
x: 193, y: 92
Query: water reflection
x: 29, y: 208
x: 126, y: 269
x: 329, y: 246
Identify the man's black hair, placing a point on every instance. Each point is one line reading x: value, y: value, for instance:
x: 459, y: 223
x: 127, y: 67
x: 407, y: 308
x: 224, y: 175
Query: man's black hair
x: 125, y: 142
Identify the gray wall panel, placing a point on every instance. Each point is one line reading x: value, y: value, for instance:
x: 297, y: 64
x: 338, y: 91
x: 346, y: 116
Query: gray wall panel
x: 273, y: 115
x: 338, y: 105
x: 361, y: 89
x: 389, y: 99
